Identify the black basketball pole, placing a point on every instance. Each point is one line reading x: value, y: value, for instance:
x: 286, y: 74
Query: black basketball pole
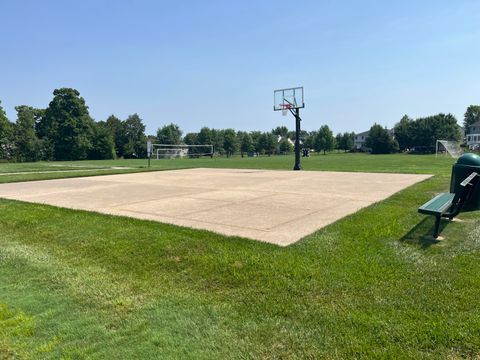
x: 297, y: 140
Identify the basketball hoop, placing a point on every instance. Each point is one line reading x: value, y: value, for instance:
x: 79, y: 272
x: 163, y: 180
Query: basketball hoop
x: 291, y: 101
x: 285, y: 109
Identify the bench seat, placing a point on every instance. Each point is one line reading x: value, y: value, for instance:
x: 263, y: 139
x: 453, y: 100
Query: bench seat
x: 438, y: 205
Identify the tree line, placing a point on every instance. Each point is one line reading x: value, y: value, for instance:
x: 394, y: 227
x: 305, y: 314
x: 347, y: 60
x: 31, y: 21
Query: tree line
x: 422, y: 134
x: 66, y: 131
x: 416, y: 135
x: 277, y: 141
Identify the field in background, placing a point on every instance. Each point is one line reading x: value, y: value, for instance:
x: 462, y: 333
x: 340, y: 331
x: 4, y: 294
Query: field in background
x: 75, y: 284
x: 332, y: 162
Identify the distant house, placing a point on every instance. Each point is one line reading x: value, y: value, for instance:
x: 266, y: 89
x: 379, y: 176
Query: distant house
x: 290, y: 141
x: 360, y: 139
x: 473, y: 136
x: 280, y: 139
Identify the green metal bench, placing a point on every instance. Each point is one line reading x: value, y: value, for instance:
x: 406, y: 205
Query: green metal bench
x: 449, y: 205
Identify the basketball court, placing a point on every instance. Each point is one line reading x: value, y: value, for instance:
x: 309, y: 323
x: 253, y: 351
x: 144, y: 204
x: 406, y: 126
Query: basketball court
x: 279, y: 207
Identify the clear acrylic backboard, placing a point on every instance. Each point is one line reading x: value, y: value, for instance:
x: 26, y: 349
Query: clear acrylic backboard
x: 285, y: 99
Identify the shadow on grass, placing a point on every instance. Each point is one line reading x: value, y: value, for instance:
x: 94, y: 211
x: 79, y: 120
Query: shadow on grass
x: 422, y: 233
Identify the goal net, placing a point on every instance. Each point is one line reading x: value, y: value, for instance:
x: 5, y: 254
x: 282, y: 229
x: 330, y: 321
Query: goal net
x: 168, y: 151
x: 451, y: 148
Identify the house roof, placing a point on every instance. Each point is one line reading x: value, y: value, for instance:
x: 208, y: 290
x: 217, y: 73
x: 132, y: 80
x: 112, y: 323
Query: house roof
x: 477, y: 124
x: 365, y: 133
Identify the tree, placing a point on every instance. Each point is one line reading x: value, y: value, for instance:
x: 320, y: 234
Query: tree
x: 240, y: 135
x: 281, y: 131
x: 205, y: 136
x: 27, y: 144
x: 426, y: 131
x: 405, y: 133
x: 339, y: 141
x: 324, y: 140
x: 103, y: 145
x: 291, y: 135
x: 246, y: 144
x: 284, y: 146
x: 271, y: 142
x: 380, y: 140
x: 472, y: 115
x: 170, y: 134
x: 423, y: 133
x: 309, y: 140
x: 67, y: 125
x: 6, y: 135
x: 348, y: 141
x: 135, y: 145
x: 191, y: 139
x: 230, y: 142
x: 256, y: 141
x: 117, y: 129
x: 217, y: 139
x: 267, y: 143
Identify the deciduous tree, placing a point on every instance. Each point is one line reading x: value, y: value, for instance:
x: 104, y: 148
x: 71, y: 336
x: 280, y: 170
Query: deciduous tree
x: 472, y: 115
x: 230, y: 142
x: 246, y: 144
x: 117, y: 129
x: 27, y: 144
x: 281, y: 131
x: 324, y: 140
x: 6, y: 135
x: 205, y: 136
x: 103, y: 147
x: 217, y: 139
x: 380, y: 140
x: 256, y: 140
x: 68, y: 125
x: 339, y: 141
x: 191, y: 139
x: 348, y: 141
x: 170, y: 134
x: 405, y: 133
x: 284, y: 146
x: 135, y: 145
x: 269, y: 143
x: 429, y: 129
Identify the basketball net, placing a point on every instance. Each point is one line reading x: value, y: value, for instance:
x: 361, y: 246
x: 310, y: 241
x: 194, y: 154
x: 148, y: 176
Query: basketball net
x: 285, y: 109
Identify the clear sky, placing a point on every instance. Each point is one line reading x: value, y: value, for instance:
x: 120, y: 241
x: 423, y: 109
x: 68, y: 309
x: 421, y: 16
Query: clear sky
x: 216, y: 63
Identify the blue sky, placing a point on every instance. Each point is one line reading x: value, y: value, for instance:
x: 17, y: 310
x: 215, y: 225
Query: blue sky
x: 216, y: 63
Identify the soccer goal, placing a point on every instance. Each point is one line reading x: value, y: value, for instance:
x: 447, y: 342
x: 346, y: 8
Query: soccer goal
x: 451, y: 148
x: 168, y: 151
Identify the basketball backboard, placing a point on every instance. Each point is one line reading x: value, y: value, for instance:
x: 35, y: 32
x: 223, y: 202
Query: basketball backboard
x: 285, y: 99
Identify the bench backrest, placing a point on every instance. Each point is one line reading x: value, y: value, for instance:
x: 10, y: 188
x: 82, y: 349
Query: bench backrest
x: 469, y: 179
x: 466, y: 188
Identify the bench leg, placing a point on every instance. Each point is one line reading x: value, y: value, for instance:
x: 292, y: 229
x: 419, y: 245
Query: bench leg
x: 437, y: 226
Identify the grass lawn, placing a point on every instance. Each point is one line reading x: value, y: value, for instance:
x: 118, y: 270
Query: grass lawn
x: 331, y: 162
x: 76, y: 285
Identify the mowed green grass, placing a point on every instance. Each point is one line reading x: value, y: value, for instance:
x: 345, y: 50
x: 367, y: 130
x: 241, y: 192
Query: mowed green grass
x: 331, y: 162
x: 80, y: 285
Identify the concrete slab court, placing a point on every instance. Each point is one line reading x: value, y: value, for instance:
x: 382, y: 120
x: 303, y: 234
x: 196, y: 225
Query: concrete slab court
x: 279, y: 207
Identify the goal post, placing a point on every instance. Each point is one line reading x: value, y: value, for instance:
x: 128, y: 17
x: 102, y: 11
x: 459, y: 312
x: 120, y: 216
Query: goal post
x: 169, y: 151
x: 451, y: 148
